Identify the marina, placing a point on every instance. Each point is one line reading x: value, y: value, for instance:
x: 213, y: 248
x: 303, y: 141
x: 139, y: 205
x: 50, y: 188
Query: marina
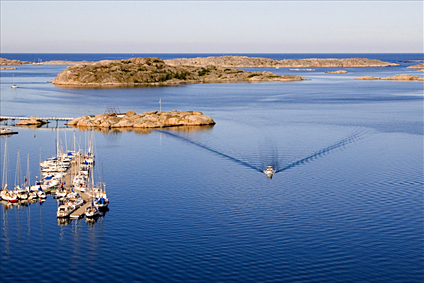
x: 67, y: 176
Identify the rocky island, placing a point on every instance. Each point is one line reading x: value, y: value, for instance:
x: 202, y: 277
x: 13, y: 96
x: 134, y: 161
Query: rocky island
x: 419, y: 66
x: 258, y: 62
x: 154, y: 71
x: 338, y: 72
x: 32, y: 121
x: 4, y: 61
x: 394, y: 78
x: 153, y: 119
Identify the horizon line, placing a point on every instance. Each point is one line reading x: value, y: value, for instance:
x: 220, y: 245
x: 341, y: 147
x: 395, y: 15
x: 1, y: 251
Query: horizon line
x: 212, y: 52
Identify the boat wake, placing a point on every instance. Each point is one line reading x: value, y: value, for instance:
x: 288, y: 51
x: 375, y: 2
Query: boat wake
x: 324, y: 151
x: 271, y: 156
x: 241, y: 162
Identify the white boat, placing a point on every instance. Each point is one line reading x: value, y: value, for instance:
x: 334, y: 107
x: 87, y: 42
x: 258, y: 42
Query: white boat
x: 64, y: 210
x: 13, y: 84
x: 61, y: 192
x: 5, y: 194
x: 21, y: 193
x: 269, y: 172
x: 7, y: 131
x: 75, y: 203
x: 41, y: 194
x: 9, y: 196
x: 74, y: 199
x: 101, y: 200
x: 32, y: 195
x: 44, y: 185
x: 92, y: 211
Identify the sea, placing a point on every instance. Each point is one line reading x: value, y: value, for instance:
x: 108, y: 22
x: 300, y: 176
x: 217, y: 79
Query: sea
x: 192, y: 204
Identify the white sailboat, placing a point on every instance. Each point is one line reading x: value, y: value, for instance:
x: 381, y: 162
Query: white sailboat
x: 5, y: 194
x: 13, y: 84
x: 21, y: 193
x: 92, y: 211
x: 101, y: 200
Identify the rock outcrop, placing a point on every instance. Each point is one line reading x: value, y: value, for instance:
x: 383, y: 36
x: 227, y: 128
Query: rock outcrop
x: 7, y: 68
x: 31, y: 121
x: 154, y: 71
x: 308, y: 70
x: 404, y: 78
x: 258, y: 62
x: 419, y: 66
x: 153, y: 119
x: 62, y: 62
x: 394, y: 78
x: 367, y: 78
x: 338, y: 72
x: 4, y: 61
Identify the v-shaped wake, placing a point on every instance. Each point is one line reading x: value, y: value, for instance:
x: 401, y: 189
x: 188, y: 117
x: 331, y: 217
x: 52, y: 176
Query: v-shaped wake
x: 270, y: 170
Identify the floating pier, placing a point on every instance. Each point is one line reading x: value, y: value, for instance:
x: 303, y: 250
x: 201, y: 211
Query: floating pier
x: 81, y: 210
x: 47, y: 120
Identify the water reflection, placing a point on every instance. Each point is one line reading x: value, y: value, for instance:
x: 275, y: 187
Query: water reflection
x: 63, y: 221
x: 143, y: 131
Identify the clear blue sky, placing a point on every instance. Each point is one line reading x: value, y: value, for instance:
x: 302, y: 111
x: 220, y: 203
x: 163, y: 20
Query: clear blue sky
x: 212, y: 27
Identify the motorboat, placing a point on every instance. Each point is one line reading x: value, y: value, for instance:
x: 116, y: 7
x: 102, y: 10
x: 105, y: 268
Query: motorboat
x: 13, y: 83
x: 7, y: 131
x: 64, y: 211
x: 269, y: 172
x: 92, y: 211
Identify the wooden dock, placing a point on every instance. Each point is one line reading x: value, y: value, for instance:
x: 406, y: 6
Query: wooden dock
x: 46, y: 120
x: 40, y: 118
x: 79, y: 212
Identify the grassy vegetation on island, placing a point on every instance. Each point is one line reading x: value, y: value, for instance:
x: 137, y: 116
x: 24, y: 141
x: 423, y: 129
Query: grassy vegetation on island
x: 154, y: 71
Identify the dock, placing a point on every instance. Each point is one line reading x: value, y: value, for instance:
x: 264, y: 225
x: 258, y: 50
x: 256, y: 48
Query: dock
x: 13, y: 119
x: 79, y: 212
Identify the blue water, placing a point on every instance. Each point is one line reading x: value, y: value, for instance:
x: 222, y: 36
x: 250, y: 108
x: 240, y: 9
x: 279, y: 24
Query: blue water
x: 191, y: 205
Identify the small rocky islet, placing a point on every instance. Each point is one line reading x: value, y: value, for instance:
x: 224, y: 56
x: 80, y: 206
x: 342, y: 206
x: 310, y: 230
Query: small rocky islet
x: 394, y: 78
x: 152, y: 119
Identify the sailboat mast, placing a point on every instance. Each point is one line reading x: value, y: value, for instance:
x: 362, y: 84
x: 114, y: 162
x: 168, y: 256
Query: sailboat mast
x: 4, y: 180
x: 28, y: 173
x: 18, y: 170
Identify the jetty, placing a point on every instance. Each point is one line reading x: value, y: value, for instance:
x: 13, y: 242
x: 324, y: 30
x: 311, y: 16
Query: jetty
x: 12, y: 118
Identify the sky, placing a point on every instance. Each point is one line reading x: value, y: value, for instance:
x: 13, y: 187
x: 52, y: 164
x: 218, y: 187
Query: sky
x: 211, y: 26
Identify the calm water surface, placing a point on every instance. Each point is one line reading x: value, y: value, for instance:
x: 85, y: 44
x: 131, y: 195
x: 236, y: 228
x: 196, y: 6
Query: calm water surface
x: 191, y: 204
